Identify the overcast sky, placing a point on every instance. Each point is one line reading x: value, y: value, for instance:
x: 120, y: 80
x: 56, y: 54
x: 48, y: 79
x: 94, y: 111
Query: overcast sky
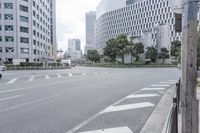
x: 71, y: 20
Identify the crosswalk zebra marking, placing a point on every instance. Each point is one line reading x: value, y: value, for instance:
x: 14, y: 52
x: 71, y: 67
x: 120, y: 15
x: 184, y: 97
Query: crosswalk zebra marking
x: 59, y: 76
x: 12, y: 81
x: 143, y: 95
x: 127, y: 107
x: 47, y: 77
x: 31, y: 78
x: 167, y: 82
x: 161, y: 85
x: 111, y: 130
x: 152, y: 89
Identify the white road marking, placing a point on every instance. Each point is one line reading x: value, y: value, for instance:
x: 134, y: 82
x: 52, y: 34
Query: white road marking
x: 84, y: 74
x: 70, y: 74
x: 59, y: 75
x: 8, y: 98
x: 161, y: 85
x: 128, y: 107
x: 73, y: 130
x: 95, y: 73
x: 152, y: 89
x: 47, y: 77
x: 111, y: 130
x: 173, y: 80
x: 32, y: 102
x: 12, y: 81
x: 143, y: 95
x: 167, y: 82
x: 31, y: 78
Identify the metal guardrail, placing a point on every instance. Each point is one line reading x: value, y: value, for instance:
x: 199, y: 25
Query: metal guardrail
x: 172, y: 124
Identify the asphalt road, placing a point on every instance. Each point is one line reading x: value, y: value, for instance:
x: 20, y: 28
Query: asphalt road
x: 81, y: 99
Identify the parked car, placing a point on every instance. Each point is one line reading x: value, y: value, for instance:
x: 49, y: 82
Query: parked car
x: 2, y: 68
x: 1, y: 74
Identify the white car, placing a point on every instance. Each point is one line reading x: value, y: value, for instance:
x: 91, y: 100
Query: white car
x: 1, y: 74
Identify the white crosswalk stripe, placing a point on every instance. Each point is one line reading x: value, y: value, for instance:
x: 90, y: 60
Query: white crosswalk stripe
x: 84, y: 74
x: 128, y: 107
x: 152, y: 89
x: 31, y: 78
x: 12, y: 81
x: 143, y: 95
x: 47, y: 77
x: 161, y: 85
x: 111, y: 130
x: 167, y: 82
x: 59, y: 76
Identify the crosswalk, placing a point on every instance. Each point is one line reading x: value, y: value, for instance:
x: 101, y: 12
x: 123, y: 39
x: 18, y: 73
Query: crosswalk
x: 143, y: 100
x: 32, y: 78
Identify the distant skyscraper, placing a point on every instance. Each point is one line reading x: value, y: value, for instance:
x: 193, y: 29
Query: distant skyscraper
x: 74, y: 49
x: 28, y: 30
x: 90, y: 22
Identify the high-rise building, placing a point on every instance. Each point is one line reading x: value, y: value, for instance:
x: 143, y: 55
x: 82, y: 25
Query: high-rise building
x: 74, y: 49
x: 27, y: 30
x: 90, y: 22
x: 135, y: 18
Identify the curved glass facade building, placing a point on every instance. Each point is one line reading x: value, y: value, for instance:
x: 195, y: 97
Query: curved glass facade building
x: 148, y: 21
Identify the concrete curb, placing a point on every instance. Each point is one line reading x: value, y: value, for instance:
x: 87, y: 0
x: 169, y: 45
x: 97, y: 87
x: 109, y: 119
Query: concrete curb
x: 157, y: 122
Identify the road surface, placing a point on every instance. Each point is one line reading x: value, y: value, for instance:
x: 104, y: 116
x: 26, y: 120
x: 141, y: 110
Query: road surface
x: 81, y: 99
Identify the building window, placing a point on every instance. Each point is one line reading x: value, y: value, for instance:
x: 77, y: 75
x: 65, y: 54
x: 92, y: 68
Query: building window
x: 8, y: 28
x: 23, y: 8
x: 9, y: 39
x: 0, y: 38
x: 24, y: 50
x: 9, y: 50
x: 0, y: 49
x: 24, y: 40
x: 24, y: 29
x: 24, y: 19
x: 8, y: 5
x: 8, y: 17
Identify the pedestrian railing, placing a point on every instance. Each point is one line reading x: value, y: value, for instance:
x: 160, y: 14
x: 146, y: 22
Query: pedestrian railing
x: 172, y: 123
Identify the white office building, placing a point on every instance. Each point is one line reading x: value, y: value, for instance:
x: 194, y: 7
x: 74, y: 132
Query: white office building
x: 89, y: 24
x: 27, y: 30
x: 149, y: 21
x: 74, y: 49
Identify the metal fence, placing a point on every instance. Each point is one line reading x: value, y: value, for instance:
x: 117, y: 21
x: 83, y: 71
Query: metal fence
x: 172, y: 124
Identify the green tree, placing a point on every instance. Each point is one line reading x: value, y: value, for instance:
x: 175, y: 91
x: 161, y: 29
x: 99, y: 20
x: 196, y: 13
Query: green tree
x: 111, y: 50
x: 163, y: 54
x: 176, y: 50
x: 151, y: 54
x: 93, y: 56
x: 122, y: 43
x: 138, y: 49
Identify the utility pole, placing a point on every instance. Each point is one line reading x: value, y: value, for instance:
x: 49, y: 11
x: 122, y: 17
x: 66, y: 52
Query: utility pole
x: 189, y: 102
